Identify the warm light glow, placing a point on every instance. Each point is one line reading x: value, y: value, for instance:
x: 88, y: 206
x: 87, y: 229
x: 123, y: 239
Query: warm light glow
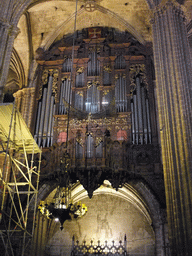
x: 105, y: 102
x: 62, y: 137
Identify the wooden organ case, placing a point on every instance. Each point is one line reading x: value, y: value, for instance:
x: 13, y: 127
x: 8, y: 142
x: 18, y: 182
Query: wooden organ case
x: 110, y: 126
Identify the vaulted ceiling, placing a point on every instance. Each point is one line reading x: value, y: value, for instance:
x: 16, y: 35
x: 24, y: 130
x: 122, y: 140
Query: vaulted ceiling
x: 45, y: 22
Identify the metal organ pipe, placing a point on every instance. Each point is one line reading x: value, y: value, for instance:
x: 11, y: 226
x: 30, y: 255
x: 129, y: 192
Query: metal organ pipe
x: 67, y: 65
x: 125, y: 95
x: 38, y: 121
x: 139, y: 108
x: 65, y: 91
x: 148, y: 119
x: 47, y: 106
x: 141, y: 128
x: 50, y: 121
x: 136, y: 118
x: 144, y: 114
x: 61, y: 99
x: 133, y: 122
x: 42, y: 115
x: 47, y: 110
x: 119, y: 93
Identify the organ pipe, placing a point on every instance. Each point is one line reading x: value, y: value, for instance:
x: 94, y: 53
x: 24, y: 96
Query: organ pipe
x: 148, y: 119
x: 89, y: 146
x: 65, y: 95
x: 67, y: 65
x: 144, y: 115
x: 47, y: 106
x: 38, y: 120
x: 61, y: 105
x: 136, y: 119
x: 120, y: 62
x: 133, y: 122
x: 120, y: 94
x: 93, y: 66
x: 50, y: 121
x: 139, y: 109
x: 42, y: 115
x: 52, y: 125
x: 141, y: 129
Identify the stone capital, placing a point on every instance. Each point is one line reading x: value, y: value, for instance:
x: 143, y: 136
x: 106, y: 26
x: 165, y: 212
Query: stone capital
x: 164, y: 6
x: 14, y: 31
x: 4, y: 23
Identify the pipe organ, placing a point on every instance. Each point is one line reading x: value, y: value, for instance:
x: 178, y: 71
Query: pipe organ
x: 107, y: 90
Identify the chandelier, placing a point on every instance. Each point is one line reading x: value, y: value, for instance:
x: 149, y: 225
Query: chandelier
x: 62, y: 208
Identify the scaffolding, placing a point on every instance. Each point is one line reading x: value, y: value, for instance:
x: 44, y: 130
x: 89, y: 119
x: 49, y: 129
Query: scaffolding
x: 20, y: 159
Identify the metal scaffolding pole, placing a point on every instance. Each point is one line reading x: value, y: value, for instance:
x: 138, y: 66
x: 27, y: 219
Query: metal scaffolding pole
x: 19, y: 180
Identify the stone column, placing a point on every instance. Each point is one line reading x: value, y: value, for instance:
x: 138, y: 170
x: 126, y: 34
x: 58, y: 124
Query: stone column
x: 173, y: 81
x: 8, y: 33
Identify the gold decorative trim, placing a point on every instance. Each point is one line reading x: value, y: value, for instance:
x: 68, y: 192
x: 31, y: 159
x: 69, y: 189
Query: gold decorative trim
x: 98, y: 141
x: 55, y: 73
x: 107, y: 68
x: 80, y: 94
x: 80, y: 70
x: 44, y: 76
x: 134, y: 71
x: 105, y: 92
x: 94, y: 49
x: 80, y: 141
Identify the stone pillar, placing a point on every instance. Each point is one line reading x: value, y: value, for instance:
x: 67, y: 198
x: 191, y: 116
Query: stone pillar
x: 159, y: 240
x: 25, y: 100
x: 173, y: 82
x: 8, y: 33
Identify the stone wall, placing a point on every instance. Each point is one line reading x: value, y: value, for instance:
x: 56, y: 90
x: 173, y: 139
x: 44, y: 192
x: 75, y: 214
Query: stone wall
x: 108, y: 218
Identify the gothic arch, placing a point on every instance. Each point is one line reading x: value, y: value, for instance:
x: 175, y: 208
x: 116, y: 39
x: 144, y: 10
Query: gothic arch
x: 138, y: 195
x: 54, y: 34
x: 22, y: 7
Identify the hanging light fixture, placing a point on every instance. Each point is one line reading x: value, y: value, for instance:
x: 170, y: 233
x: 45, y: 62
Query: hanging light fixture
x: 62, y: 208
